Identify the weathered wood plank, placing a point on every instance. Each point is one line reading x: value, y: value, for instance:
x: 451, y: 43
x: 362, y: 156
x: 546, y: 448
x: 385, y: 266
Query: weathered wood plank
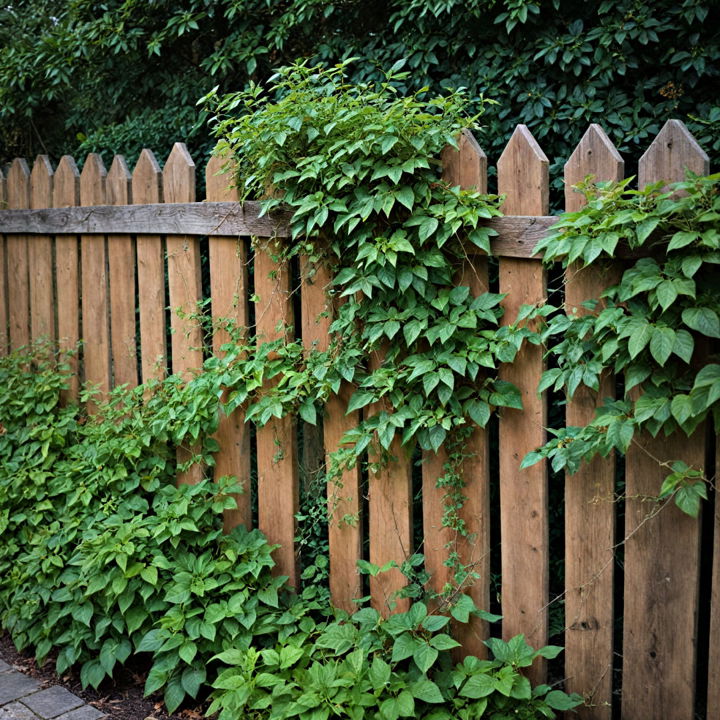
x: 18, y: 196
x: 589, y: 493
x: 713, y: 694
x: 466, y: 167
x: 184, y: 289
x: 3, y: 276
x: 277, y: 465
x: 662, y: 555
x: 229, y: 298
x: 40, y: 256
x: 66, y: 192
x: 121, y: 262
x: 147, y: 188
x: 94, y: 282
x: 343, y: 494
x: 523, y: 178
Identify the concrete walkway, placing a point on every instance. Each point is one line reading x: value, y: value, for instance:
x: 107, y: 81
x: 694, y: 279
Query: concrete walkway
x: 21, y: 698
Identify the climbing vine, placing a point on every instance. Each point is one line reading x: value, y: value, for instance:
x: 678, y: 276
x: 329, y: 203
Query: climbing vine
x: 658, y: 327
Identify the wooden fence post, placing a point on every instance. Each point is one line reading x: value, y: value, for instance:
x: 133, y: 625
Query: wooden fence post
x: 662, y: 547
x: 4, y: 335
x: 589, y: 493
x: 278, y: 492
x: 466, y: 167
x: 713, y: 696
x: 523, y: 178
x: 94, y: 282
x: 229, y: 297
x: 18, y: 196
x: 121, y: 262
x: 66, y: 193
x: 147, y: 188
x: 40, y: 260
x: 184, y: 287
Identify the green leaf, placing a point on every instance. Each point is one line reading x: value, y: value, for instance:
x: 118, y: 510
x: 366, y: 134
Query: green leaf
x: 478, y: 686
x: 192, y: 679
x: 187, y: 651
x: 559, y: 700
x: 404, y: 647
x: 406, y: 196
x: 702, y: 319
x: 360, y: 399
x: 427, y: 691
x: 174, y: 695
x: 92, y: 673
x: 684, y: 345
x: 662, y: 344
x: 443, y: 642
x: 424, y: 656
x: 666, y: 294
x: 639, y: 339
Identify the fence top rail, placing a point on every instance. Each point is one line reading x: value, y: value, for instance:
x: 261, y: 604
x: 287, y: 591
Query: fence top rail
x: 517, y: 235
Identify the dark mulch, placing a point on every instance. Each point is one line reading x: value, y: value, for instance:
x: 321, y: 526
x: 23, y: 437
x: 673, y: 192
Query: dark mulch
x: 122, y: 699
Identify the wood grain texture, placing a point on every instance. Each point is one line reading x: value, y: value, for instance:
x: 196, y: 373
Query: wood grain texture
x: 185, y: 291
x: 343, y: 494
x: 390, y: 514
x: 277, y: 466
x: 589, y: 493
x: 147, y: 188
x: 466, y: 167
x: 4, y: 335
x: 661, y: 554
x: 229, y: 298
x: 18, y: 196
x: 40, y: 256
x: 94, y: 282
x: 66, y: 193
x: 523, y: 178
x: 121, y: 263
x: 713, y: 695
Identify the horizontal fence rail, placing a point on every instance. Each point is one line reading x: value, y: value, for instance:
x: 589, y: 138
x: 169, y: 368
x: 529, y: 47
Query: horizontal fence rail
x: 101, y: 255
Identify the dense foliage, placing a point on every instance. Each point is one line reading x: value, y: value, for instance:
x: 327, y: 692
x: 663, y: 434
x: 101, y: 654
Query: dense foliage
x: 658, y: 326
x: 104, y: 561
x: 125, y: 73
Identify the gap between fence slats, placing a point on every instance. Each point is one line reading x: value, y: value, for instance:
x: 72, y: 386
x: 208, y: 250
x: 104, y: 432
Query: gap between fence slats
x: 523, y: 178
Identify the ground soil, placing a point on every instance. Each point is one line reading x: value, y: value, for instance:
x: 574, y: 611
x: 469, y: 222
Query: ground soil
x: 122, y: 699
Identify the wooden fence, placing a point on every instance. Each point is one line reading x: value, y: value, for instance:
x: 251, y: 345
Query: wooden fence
x: 85, y: 254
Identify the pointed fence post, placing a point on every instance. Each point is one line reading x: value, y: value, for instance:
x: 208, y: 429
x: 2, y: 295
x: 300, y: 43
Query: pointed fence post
x: 94, y: 282
x: 40, y: 251
x: 66, y: 193
x: 229, y: 298
x: 18, y: 197
x: 523, y: 178
x: 183, y: 258
x: 121, y: 263
x: 662, y: 554
x: 466, y: 167
x: 589, y: 493
x: 277, y: 468
x: 4, y: 335
x: 147, y: 188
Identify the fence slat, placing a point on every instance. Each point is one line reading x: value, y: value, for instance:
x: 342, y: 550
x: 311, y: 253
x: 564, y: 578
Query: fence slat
x: 94, y: 282
x: 147, y: 188
x: 3, y: 275
x: 523, y: 178
x: 66, y: 193
x: 589, y: 494
x: 277, y: 467
x: 229, y: 297
x: 466, y: 167
x: 18, y: 196
x: 343, y: 495
x: 40, y: 251
x: 121, y: 262
x: 662, y: 553
x: 184, y: 288
x: 713, y: 695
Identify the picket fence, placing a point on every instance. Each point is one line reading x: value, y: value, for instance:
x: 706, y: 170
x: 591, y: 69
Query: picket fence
x: 85, y: 255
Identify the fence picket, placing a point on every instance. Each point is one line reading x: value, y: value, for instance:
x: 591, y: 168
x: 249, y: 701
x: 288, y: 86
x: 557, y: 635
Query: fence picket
x: 3, y: 275
x: 66, y: 193
x: 147, y: 188
x: 343, y: 495
x: 229, y: 295
x: 523, y: 178
x: 18, y: 196
x: 713, y: 695
x: 121, y: 262
x: 662, y: 553
x: 589, y: 494
x: 466, y: 167
x: 40, y: 255
x: 277, y: 467
x: 184, y: 289
x: 94, y: 282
